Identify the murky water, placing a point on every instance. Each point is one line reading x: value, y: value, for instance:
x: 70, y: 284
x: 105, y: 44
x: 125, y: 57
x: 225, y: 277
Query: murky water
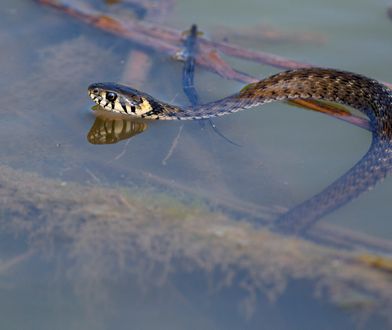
x: 158, y: 231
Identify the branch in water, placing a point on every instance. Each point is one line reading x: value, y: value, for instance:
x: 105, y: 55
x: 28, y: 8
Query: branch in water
x: 188, y: 72
x: 190, y: 52
x: 167, y: 40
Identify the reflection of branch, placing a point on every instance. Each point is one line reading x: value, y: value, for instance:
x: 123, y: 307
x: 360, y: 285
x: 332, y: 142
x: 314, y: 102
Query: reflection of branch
x: 390, y: 12
x: 137, y: 67
x: 138, y: 63
x: 167, y: 40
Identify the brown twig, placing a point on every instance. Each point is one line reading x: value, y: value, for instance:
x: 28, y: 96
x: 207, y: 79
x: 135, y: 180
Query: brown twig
x: 390, y: 11
x: 168, y: 41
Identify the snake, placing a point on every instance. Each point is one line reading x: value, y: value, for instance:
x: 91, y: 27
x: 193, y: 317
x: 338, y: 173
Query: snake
x: 367, y: 95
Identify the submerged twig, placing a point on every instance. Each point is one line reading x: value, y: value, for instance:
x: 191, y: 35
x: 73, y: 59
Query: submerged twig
x: 173, y: 146
x: 188, y: 71
x: 188, y: 56
x: 188, y: 74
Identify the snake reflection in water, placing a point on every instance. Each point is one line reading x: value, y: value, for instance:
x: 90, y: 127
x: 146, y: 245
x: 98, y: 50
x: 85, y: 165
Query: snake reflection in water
x: 357, y: 91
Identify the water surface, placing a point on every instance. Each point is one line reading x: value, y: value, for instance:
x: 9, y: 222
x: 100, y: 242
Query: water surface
x: 130, y: 235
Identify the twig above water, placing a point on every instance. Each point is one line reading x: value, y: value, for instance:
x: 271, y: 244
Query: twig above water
x: 168, y: 40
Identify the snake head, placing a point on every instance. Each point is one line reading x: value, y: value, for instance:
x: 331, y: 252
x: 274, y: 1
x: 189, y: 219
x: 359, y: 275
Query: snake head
x: 121, y: 99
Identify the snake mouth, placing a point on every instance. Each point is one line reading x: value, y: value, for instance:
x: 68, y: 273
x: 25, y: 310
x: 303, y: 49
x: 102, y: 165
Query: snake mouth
x: 102, y: 103
x: 104, y: 97
x: 96, y: 98
x: 95, y: 93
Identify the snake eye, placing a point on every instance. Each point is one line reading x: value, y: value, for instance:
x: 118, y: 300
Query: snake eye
x: 110, y: 96
x: 96, y: 91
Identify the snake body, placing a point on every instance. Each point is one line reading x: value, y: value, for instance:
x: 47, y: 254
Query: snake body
x: 364, y: 94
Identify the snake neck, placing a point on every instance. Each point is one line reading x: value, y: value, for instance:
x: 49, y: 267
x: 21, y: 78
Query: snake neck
x: 362, y: 93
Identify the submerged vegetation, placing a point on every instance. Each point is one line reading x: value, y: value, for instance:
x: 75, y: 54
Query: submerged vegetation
x: 102, y: 233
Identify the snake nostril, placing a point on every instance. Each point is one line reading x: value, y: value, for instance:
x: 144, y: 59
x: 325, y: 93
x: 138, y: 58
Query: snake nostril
x: 96, y: 91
